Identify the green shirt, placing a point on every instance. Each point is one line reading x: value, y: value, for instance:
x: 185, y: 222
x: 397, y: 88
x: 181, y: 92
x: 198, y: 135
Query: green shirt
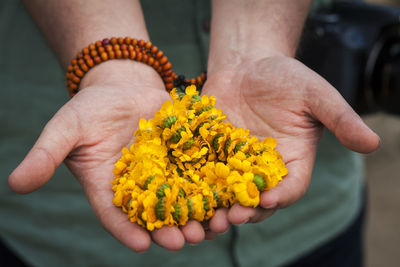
x: 55, y: 226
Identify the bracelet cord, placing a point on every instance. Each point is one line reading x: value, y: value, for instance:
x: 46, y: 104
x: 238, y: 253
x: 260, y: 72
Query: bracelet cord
x: 126, y: 48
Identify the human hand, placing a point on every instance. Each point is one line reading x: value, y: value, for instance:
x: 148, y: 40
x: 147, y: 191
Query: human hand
x: 280, y: 97
x: 88, y: 132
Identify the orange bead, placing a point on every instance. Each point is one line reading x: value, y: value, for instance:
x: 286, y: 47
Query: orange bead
x: 85, y: 51
x: 92, y: 47
x: 139, y: 56
x: 141, y: 43
x: 193, y: 81
x: 167, y: 66
x: 145, y: 58
x: 163, y: 60
x: 73, y: 86
x: 150, y: 61
x: 73, y: 61
x: 127, y: 40
x: 79, y: 73
x: 125, y: 53
x: 111, y: 54
x: 93, y: 53
x: 148, y: 45
x: 159, y: 69
x: 98, y: 43
x: 104, y: 56
x: 90, y: 62
x: 97, y: 60
x: 109, y: 48
x: 168, y: 73
x: 199, y: 81
x: 156, y: 64
x: 124, y: 47
x: 168, y: 79
x: 159, y: 54
x: 169, y: 86
x: 134, y: 42
x: 154, y: 49
x: 118, y: 54
x: 117, y: 47
x: 69, y: 68
x: 84, y: 67
x: 101, y: 50
x: 132, y: 55
x: 131, y: 48
x: 120, y: 40
x: 113, y: 40
x: 75, y: 79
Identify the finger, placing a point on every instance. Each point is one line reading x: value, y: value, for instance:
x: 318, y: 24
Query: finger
x: 168, y: 237
x: 329, y: 107
x: 261, y: 215
x: 113, y: 220
x: 239, y: 214
x: 193, y: 232
x: 291, y: 188
x: 55, y: 142
x: 219, y: 222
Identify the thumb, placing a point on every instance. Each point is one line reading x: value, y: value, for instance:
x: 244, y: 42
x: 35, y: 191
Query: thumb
x: 54, y: 144
x: 329, y: 107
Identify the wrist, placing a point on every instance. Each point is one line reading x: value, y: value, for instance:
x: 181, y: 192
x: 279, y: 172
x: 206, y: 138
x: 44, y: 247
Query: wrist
x: 124, y: 73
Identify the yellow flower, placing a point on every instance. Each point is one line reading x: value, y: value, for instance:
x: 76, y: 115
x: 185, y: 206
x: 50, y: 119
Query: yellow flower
x: 245, y: 190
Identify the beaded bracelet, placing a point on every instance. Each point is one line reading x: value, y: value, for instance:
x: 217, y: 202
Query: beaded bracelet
x: 126, y: 48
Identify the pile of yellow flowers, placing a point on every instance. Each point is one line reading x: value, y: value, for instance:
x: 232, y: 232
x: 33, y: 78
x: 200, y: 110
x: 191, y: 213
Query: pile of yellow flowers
x: 186, y: 162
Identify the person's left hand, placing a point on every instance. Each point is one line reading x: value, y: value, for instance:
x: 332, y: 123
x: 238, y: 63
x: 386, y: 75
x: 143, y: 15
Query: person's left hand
x: 282, y: 98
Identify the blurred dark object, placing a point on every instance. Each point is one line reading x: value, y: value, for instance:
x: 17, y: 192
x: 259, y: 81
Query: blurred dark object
x: 356, y: 47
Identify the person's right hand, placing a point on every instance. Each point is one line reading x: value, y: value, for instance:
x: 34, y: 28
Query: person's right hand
x: 88, y: 133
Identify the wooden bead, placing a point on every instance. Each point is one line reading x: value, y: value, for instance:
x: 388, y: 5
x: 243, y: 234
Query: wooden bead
x: 127, y: 40
x: 131, y: 48
x: 104, y: 56
x: 159, y: 69
x: 113, y: 40
x: 134, y: 42
x: 169, y: 86
x: 148, y: 45
x: 109, y: 48
x: 150, y: 61
x: 69, y: 68
x: 98, y: 43
x: 84, y: 67
x: 163, y: 60
x: 139, y: 56
x: 193, y: 81
x: 159, y: 54
x: 168, y: 79
x: 132, y: 54
x: 168, y: 73
x: 167, y: 66
x: 141, y: 43
x: 97, y: 60
x: 117, y: 47
x: 154, y: 49
x: 89, y: 62
x: 92, y: 47
x: 101, y: 50
x: 145, y: 58
x: 79, y: 72
x: 111, y: 54
x: 118, y: 54
x: 125, y: 53
x: 93, y: 53
x: 124, y: 47
x: 73, y: 86
x: 85, y: 50
x: 156, y: 64
x: 75, y: 79
x: 120, y: 40
x: 73, y: 61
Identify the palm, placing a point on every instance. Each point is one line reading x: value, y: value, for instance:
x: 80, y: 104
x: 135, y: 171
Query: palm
x: 280, y: 97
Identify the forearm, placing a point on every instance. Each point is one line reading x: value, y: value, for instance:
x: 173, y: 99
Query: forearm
x: 252, y: 29
x: 70, y: 25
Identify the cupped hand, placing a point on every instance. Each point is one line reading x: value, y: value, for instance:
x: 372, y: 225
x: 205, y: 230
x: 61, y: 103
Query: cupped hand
x: 88, y: 133
x: 282, y: 98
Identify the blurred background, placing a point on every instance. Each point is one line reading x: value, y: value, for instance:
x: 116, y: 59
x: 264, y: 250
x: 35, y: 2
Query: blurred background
x: 355, y: 45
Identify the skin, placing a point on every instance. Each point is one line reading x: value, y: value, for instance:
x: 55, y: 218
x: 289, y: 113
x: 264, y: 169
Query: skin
x: 251, y: 73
